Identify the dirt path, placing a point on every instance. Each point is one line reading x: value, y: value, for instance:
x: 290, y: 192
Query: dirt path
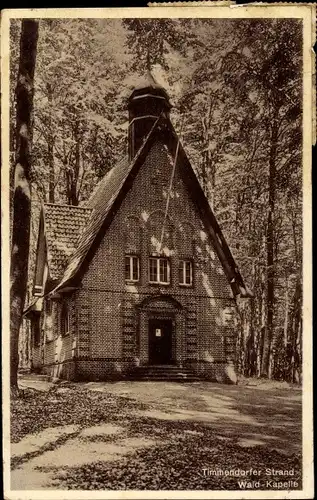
x: 268, y: 417
x: 49, y: 452
x: 160, y: 417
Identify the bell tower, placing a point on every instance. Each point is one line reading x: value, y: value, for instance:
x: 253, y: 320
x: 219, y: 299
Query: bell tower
x: 147, y: 102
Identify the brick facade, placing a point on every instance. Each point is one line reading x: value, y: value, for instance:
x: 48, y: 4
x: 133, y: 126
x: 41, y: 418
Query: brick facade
x: 110, y: 319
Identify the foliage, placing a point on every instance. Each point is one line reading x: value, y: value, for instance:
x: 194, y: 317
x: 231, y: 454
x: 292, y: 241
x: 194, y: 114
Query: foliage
x: 151, y: 40
x: 236, y: 87
x: 177, y: 465
x: 78, y: 79
x: 180, y: 448
x: 37, y: 410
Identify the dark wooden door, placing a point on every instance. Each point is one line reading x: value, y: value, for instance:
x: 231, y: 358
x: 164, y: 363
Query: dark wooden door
x: 160, y: 341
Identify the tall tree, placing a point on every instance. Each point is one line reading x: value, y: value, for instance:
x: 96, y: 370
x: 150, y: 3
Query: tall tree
x: 22, y: 189
x: 78, y: 128
x: 150, y: 41
x: 243, y: 133
x: 266, y: 66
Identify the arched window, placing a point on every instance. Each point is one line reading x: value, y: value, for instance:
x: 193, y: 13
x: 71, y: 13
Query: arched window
x: 160, y: 234
x: 186, y: 238
x: 133, y: 247
x: 186, y: 253
x: 133, y: 235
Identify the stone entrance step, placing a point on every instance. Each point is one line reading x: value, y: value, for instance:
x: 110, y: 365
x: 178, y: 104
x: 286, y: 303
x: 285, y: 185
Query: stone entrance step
x: 35, y: 376
x: 165, y: 373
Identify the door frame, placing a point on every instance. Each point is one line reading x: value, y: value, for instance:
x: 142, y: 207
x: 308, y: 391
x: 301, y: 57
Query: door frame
x: 171, y: 320
x: 159, y: 307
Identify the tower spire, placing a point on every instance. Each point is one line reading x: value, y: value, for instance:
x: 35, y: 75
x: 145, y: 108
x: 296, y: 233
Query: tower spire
x: 147, y: 102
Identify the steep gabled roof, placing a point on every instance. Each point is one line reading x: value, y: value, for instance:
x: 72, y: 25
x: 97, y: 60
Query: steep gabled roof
x: 102, y: 201
x: 111, y: 191
x: 63, y: 225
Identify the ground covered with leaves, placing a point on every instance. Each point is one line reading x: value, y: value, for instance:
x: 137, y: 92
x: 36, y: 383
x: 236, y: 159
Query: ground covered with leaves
x: 176, y: 460
x: 179, y: 464
x: 35, y: 411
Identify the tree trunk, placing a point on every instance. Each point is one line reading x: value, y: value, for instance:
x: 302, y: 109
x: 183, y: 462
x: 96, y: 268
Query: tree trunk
x: 286, y: 312
x: 250, y: 356
x: 208, y: 171
x: 72, y: 170
x: 77, y: 161
x: 51, y: 190
x: 50, y: 147
x: 270, y: 255
x: 296, y: 327
x: 22, y: 192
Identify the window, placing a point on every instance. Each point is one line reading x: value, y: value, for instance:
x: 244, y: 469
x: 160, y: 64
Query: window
x: 36, y: 331
x: 48, y: 321
x: 185, y: 273
x: 159, y: 270
x: 38, y: 289
x: 132, y: 268
x: 65, y: 320
x: 48, y: 307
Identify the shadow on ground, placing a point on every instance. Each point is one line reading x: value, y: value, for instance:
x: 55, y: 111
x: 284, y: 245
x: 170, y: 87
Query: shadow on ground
x: 270, y: 417
x: 153, y: 435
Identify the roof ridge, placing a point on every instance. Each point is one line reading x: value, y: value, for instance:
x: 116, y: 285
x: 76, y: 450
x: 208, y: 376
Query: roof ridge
x: 104, y: 180
x: 66, y: 205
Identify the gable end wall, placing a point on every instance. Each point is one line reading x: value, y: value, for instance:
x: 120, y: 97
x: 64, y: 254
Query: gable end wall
x: 108, y: 321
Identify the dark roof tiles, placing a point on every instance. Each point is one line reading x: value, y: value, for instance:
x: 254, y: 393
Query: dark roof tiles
x: 63, y: 226
x: 100, y: 203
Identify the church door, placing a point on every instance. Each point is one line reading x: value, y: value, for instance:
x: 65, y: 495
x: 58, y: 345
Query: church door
x: 160, y: 341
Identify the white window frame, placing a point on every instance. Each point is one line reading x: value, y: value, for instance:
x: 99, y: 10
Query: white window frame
x: 158, y: 271
x: 38, y: 290
x: 183, y: 262
x: 131, y: 257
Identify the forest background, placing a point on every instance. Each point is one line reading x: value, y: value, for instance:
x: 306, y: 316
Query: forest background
x: 236, y: 90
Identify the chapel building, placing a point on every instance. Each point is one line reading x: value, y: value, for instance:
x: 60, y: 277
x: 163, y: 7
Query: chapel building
x: 139, y: 282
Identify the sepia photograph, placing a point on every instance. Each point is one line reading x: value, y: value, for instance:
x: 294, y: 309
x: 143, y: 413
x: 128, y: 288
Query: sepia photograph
x: 156, y: 242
